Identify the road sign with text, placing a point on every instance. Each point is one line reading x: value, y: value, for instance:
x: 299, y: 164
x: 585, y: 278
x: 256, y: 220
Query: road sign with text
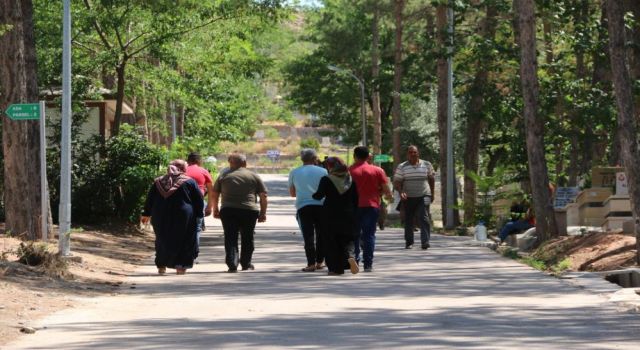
x: 24, y: 111
x: 382, y: 158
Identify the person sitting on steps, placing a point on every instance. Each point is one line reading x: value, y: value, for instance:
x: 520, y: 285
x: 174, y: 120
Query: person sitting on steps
x: 522, y: 219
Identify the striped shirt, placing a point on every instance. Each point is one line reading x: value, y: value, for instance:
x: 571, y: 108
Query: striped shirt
x: 413, y: 178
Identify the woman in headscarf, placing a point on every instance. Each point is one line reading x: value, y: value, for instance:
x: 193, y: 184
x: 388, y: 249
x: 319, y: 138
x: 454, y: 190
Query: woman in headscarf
x: 340, y: 203
x: 173, y: 204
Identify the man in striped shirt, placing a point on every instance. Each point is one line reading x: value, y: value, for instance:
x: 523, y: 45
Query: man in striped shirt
x: 415, y: 181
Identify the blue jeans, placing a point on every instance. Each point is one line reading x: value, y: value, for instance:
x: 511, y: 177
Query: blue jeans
x: 367, y: 218
x: 512, y: 227
x: 199, y: 224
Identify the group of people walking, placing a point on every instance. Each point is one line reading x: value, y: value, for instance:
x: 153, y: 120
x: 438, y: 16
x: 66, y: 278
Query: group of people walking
x: 175, y: 207
x: 337, y: 208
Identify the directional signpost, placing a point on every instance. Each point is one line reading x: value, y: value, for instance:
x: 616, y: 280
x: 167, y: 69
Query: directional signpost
x: 382, y: 158
x: 35, y: 111
x: 24, y: 111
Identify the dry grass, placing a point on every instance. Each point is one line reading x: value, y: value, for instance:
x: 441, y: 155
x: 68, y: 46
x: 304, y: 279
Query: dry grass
x: 601, y: 251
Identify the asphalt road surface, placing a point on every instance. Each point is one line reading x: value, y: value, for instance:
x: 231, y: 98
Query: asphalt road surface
x: 452, y: 296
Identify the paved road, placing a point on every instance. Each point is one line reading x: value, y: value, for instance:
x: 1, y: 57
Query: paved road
x: 453, y: 296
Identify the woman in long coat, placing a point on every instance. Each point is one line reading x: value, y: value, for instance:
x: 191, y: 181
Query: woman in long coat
x: 173, y: 204
x: 340, y: 204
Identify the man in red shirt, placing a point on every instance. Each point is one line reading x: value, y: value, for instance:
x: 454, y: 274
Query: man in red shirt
x: 205, y: 183
x: 370, y: 182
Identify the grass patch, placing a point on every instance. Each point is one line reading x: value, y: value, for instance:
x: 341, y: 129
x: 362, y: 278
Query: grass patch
x: 537, y: 263
x: 562, y: 266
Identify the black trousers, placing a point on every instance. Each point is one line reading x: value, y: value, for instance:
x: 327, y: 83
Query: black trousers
x: 414, y: 207
x: 238, y: 221
x: 341, y: 231
x: 311, y: 219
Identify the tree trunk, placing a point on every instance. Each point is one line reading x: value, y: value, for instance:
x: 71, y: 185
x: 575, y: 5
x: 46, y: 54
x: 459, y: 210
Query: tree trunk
x: 534, y: 125
x: 630, y: 153
x: 397, y: 81
x: 168, y: 123
x: 581, y: 72
x: 633, y: 6
x: 20, y: 139
x: 442, y: 74
x: 180, y: 121
x: 375, y: 73
x: 117, y: 119
x: 476, y: 120
x: 572, y: 171
x: 142, y: 112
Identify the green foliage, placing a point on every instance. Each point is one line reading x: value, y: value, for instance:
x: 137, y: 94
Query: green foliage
x: 5, y: 28
x: 562, y: 266
x: 486, y: 185
x: 310, y: 142
x: 112, y: 178
x: 535, y: 263
x: 527, y: 260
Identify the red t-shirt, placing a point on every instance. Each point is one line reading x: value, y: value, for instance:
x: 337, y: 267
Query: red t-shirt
x: 200, y: 175
x: 369, y: 180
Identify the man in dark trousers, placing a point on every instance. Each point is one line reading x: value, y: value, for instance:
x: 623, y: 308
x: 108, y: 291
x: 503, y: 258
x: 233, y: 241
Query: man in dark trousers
x: 303, y: 183
x: 371, y: 181
x: 415, y: 181
x: 205, y: 184
x: 239, y: 210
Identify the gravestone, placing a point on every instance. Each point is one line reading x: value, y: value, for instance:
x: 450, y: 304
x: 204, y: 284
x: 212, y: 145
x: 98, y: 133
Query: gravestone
x: 564, y: 196
x: 622, y: 186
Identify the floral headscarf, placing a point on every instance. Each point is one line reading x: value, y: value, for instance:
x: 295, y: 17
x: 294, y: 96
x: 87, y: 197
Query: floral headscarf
x: 168, y: 184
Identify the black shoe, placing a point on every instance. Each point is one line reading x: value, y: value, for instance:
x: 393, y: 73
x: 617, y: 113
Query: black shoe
x: 248, y: 267
x: 232, y: 270
x: 425, y: 246
x: 381, y: 227
x: 408, y: 246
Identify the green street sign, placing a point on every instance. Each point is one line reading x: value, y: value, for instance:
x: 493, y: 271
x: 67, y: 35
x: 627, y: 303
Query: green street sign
x: 24, y: 111
x: 382, y: 158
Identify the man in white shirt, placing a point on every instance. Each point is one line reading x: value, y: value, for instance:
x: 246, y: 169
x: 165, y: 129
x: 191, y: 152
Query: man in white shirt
x: 415, y: 181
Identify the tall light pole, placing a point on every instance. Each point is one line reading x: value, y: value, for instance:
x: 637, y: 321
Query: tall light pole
x: 450, y: 171
x: 363, y: 111
x: 64, y: 215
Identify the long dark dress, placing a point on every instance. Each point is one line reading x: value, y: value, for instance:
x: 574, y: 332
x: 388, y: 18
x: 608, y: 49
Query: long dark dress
x: 174, y: 221
x: 340, y: 211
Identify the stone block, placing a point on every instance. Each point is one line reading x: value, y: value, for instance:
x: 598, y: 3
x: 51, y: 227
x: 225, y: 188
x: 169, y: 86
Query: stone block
x: 527, y: 240
x: 629, y: 226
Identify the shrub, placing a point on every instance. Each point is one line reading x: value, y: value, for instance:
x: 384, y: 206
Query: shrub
x: 310, y: 143
x: 32, y: 253
x: 112, y: 178
x: 38, y: 254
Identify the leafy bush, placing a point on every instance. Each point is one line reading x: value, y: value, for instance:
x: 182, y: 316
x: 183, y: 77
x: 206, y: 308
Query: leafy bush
x: 310, y: 143
x: 112, y: 178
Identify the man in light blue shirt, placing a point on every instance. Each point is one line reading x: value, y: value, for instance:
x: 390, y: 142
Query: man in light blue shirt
x: 303, y: 183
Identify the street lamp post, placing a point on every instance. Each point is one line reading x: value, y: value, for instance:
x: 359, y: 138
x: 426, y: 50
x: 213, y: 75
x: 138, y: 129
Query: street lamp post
x: 363, y: 112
